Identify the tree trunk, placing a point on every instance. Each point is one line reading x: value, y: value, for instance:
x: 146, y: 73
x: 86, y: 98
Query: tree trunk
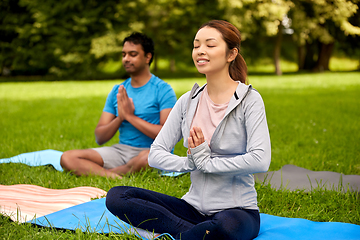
x: 5, y: 71
x: 301, y: 57
x: 172, y: 65
x: 277, y: 50
x: 155, y: 62
x: 310, y: 56
x: 325, y: 51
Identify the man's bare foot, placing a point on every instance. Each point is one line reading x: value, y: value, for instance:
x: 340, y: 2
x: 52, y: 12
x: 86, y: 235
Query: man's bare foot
x: 111, y: 174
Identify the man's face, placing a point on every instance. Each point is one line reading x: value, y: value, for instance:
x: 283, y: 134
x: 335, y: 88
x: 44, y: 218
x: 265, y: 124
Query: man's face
x: 134, y: 59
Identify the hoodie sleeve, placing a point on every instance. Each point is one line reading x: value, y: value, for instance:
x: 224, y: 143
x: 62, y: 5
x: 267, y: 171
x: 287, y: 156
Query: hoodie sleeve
x: 160, y: 155
x: 258, y: 149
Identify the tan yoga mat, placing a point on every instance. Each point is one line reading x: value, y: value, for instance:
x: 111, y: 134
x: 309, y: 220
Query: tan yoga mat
x: 23, y: 202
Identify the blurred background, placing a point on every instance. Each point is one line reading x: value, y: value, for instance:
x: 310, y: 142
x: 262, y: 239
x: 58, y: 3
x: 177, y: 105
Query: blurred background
x: 78, y: 39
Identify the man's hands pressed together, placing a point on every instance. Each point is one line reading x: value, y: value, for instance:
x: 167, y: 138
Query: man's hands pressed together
x: 125, y: 106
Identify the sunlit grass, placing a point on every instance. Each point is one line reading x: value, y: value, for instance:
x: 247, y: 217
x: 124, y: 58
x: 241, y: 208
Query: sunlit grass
x: 344, y: 64
x: 312, y: 118
x: 267, y: 66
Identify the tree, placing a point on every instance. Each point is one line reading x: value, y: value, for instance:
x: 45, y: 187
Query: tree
x: 316, y: 24
x: 74, y: 37
x: 57, y: 37
x: 348, y: 44
x: 260, y: 19
x: 70, y: 28
x: 173, y: 24
x: 20, y: 47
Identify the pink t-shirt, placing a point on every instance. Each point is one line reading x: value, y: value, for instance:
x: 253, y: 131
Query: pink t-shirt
x: 208, y: 115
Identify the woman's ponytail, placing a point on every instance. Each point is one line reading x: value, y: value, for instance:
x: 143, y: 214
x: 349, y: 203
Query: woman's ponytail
x: 238, y: 69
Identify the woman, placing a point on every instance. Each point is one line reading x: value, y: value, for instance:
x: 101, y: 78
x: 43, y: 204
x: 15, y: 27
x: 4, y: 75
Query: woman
x: 224, y: 127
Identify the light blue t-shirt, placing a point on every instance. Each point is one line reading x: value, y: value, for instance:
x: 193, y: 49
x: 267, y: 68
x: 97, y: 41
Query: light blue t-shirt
x: 149, y: 100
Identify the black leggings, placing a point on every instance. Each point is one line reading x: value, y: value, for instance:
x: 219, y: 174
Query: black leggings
x: 160, y: 213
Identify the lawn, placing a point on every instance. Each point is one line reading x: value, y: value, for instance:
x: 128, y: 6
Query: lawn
x: 313, y: 121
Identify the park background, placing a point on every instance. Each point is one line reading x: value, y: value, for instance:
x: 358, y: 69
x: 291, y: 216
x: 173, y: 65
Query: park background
x: 75, y: 39
x: 59, y: 60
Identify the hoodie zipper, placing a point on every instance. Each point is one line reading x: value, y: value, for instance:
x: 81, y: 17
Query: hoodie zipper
x: 203, y: 190
x: 204, y: 176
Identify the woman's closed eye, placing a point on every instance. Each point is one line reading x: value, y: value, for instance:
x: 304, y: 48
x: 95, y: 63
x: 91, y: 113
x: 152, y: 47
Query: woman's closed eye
x: 209, y: 46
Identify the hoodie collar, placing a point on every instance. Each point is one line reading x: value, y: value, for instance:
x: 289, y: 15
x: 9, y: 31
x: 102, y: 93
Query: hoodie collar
x: 239, y: 93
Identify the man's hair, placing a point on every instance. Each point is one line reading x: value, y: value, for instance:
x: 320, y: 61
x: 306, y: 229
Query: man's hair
x: 146, y: 43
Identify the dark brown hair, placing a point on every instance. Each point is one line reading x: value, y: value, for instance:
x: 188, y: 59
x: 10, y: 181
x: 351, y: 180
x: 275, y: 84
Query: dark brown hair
x: 232, y: 37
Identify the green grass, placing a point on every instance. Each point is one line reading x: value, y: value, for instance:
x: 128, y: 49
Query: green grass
x: 344, y: 64
x: 313, y: 122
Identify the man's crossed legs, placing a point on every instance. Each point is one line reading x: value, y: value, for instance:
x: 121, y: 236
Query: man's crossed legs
x: 113, y: 161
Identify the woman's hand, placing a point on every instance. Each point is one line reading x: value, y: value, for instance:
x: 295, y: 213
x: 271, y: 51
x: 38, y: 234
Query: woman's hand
x: 196, y: 137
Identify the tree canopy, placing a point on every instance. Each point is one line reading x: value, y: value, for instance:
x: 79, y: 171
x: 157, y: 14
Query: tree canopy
x: 74, y: 36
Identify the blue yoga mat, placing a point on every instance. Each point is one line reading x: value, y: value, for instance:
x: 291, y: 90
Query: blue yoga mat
x: 94, y: 217
x: 52, y: 157
x: 38, y: 158
x: 91, y: 216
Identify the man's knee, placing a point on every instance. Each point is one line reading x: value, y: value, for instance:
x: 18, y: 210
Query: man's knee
x: 140, y: 161
x: 65, y: 159
x: 143, y: 158
x: 144, y: 154
x: 70, y: 159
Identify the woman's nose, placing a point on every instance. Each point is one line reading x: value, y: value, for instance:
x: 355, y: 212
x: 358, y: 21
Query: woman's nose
x: 201, y: 51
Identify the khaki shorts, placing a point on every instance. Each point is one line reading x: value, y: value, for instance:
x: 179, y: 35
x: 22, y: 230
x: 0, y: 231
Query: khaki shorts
x: 118, y: 154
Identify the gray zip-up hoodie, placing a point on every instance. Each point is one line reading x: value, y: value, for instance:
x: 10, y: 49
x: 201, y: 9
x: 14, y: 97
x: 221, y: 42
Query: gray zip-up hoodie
x: 222, y: 172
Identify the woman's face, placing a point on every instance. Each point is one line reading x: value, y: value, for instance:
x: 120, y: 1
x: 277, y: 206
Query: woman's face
x: 210, y: 52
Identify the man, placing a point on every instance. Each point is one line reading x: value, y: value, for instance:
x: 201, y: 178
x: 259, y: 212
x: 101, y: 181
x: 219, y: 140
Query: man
x: 137, y: 108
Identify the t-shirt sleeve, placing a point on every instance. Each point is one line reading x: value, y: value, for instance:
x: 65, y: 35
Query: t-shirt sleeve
x: 167, y: 97
x: 111, y: 104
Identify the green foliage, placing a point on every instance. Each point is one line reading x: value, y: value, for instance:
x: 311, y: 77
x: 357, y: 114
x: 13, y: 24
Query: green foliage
x: 76, y: 39
x: 256, y: 18
x: 318, y: 25
x: 58, y: 36
x: 19, y: 48
x: 348, y: 44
